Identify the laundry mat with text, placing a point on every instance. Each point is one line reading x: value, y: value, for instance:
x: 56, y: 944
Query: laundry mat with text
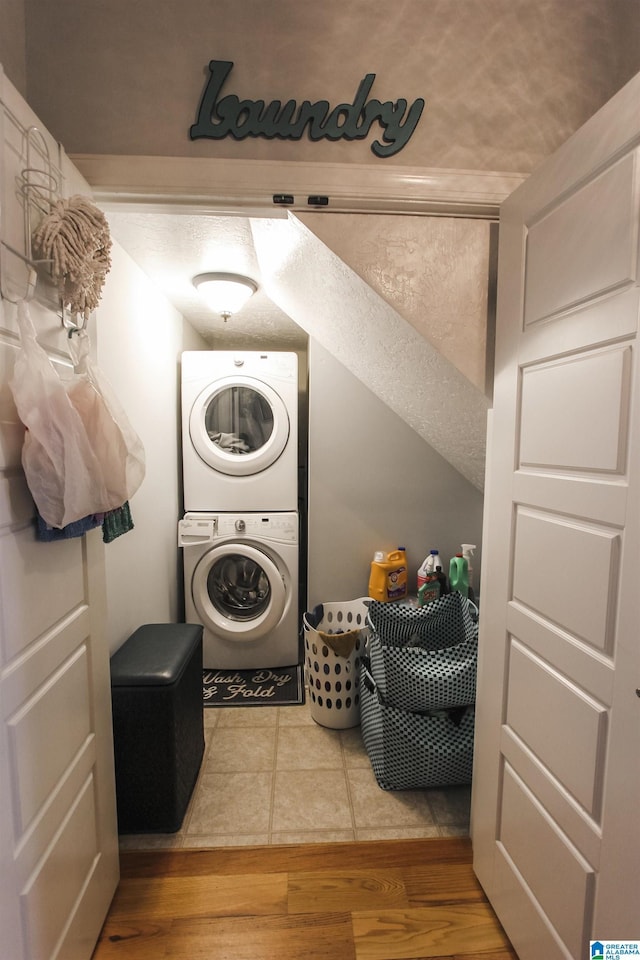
x: 262, y: 687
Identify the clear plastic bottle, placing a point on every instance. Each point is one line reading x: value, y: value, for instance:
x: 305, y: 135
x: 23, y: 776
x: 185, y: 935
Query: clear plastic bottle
x: 467, y: 553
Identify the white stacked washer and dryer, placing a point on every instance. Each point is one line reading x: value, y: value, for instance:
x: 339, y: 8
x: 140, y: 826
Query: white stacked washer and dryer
x: 240, y: 530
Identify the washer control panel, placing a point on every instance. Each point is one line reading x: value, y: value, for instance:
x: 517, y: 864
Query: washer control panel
x: 258, y: 526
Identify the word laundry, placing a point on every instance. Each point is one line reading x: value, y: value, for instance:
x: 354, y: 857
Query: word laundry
x: 230, y: 116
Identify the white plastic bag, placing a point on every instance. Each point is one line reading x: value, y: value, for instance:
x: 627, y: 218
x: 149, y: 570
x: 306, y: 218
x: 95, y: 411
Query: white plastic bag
x: 119, y: 449
x: 80, y: 454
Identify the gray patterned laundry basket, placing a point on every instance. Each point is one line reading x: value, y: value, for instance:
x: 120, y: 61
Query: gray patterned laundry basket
x: 411, y: 751
x: 417, y: 693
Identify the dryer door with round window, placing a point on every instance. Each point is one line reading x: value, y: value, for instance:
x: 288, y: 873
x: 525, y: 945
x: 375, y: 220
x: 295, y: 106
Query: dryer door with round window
x: 239, y: 592
x: 239, y: 426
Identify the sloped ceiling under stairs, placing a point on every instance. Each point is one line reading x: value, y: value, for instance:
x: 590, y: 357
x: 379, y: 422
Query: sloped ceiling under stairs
x: 409, y: 321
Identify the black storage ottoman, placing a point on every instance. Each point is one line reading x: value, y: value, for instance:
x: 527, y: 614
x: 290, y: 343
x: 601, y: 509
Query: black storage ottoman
x: 158, y: 728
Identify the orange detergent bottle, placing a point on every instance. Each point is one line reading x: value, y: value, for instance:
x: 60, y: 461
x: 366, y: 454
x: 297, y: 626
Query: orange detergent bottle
x: 388, y: 577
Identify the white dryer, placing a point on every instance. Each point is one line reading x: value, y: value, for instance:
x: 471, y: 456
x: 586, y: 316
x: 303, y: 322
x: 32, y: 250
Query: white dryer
x: 241, y: 584
x: 239, y: 430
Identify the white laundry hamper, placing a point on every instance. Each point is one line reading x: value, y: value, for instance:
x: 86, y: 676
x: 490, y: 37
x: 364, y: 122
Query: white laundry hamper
x: 335, y: 636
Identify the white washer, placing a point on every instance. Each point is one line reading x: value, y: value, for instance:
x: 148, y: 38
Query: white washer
x: 239, y: 430
x: 241, y: 584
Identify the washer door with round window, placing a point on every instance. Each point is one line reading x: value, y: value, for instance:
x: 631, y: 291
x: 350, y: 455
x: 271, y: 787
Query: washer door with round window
x: 239, y: 592
x: 239, y: 426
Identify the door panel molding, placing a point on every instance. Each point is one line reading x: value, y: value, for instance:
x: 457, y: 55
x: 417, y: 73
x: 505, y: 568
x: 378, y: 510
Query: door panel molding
x: 582, y: 830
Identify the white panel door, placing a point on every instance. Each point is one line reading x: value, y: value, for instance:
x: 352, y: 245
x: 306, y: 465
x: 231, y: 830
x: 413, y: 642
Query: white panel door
x: 58, y: 834
x: 556, y: 793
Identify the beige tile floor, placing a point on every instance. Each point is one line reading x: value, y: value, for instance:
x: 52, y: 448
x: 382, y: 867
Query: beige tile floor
x: 272, y: 775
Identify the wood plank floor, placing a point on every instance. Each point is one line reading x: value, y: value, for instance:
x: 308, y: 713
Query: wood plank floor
x: 377, y: 900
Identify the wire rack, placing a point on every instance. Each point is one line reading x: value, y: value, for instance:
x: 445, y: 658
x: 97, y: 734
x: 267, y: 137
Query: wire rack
x: 36, y: 188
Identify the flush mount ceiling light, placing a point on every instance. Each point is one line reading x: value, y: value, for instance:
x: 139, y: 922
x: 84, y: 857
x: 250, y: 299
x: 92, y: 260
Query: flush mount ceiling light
x: 224, y: 293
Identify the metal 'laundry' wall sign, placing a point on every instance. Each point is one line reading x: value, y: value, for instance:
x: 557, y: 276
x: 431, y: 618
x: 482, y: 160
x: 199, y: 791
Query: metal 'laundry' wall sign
x: 228, y: 116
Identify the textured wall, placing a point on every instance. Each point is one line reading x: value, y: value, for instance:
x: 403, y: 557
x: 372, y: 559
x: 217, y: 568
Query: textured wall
x: 12, y: 43
x: 505, y: 81
x: 434, y: 271
x: 353, y: 323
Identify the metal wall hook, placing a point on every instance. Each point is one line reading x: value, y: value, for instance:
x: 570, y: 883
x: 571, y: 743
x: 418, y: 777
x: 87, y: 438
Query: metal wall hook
x: 32, y: 276
x: 69, y: 325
